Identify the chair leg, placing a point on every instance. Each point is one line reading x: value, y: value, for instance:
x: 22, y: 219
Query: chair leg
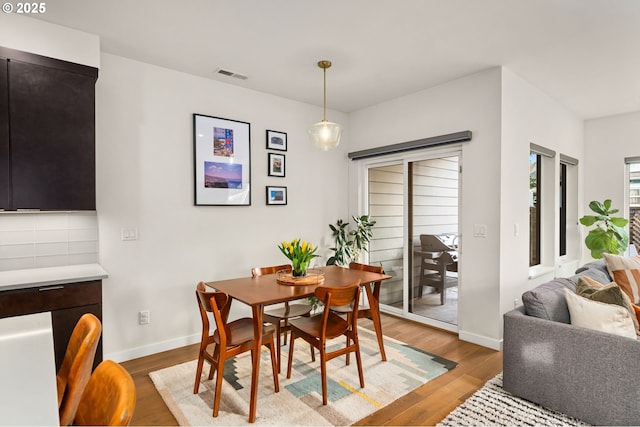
x: 274, y: 365
x: 292, y: 340
x: 359, y: 362
x: 313, y: 353
x: 212, y: 367
x: 347, y: 343
x: 198, y: 372
x: 323, y: 375
x: 219, y: 378
x: 277, y: 332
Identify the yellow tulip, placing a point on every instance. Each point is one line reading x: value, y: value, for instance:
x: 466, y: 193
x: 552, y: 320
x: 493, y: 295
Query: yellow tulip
x: 304, y: 246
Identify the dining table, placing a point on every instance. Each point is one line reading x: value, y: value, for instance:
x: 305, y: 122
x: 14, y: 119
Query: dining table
x: 258, y: 292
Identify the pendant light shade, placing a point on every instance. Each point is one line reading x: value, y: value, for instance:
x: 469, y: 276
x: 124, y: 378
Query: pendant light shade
x: 325, y: 134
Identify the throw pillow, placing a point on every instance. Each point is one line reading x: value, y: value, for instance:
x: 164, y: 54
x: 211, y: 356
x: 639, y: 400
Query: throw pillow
x: 609, y: 294
x: 625, y: 271
x: 599, y: 316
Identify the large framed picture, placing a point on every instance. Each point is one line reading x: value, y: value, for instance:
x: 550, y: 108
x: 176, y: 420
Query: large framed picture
x: 276, y: 195
x: 222, y: 161
x: 276, y: 164
x: 276, y: 140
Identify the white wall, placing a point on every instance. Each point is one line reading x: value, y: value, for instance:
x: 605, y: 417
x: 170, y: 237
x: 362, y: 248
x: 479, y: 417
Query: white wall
x: 144, y: 150
x: 530, y: 116
x: 42, y: 38
x: 470, y: 103
x: 608, y: 141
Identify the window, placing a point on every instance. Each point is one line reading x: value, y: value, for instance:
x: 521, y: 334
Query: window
x: 634, y: 201
x: 563, y: 209
x: 535, y: 170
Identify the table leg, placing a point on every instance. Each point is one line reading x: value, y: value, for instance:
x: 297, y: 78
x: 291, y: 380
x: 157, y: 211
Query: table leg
x: 255, y: 371
x: 374, y: 305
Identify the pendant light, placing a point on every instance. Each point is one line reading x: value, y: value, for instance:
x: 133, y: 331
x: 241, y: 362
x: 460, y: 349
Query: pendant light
x: 325, y: 134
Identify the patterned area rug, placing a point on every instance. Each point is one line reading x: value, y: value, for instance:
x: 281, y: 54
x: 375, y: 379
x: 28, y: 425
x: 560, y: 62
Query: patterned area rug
x: 492, y: 406
x: 299, y: 402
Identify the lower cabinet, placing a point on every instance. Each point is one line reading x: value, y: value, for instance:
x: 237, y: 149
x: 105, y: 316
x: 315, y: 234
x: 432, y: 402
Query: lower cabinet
x: 67, y: 303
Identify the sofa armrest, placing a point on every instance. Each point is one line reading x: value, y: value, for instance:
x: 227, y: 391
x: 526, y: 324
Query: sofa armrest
x: 590, y: 375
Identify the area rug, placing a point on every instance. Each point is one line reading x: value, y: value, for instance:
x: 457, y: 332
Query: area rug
x: 299, y: 402
x: 492, y: 406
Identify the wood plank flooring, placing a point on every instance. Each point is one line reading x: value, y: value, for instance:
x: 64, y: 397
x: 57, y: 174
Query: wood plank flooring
x: 424, y: 406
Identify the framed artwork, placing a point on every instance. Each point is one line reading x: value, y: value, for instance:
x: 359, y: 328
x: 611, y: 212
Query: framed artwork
x: 276, y: 164
x: 222, y: 161
x: 276, y: 140
x: 276, y: 195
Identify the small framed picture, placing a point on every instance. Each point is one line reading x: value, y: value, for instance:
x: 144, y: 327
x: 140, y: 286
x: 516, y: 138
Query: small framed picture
x: 276, y: 195
x: 276, y: 140
x: 276, y: 165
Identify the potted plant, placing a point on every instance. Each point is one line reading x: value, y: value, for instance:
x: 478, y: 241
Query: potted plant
x: 349, y: 244
x: 300, y: 254
x: 609, y: 234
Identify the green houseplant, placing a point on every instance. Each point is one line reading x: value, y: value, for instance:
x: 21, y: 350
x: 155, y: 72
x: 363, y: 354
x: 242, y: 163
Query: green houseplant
x: 349, y: 244
x: 609, y: 234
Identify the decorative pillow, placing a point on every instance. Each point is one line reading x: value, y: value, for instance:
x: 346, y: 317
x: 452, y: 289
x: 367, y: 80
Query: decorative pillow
x: 625, y: 271
x: 609, y: 294
x: 599, y: 316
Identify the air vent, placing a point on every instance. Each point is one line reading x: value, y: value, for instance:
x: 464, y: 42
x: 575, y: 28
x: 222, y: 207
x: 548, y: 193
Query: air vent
x: 231, y: 74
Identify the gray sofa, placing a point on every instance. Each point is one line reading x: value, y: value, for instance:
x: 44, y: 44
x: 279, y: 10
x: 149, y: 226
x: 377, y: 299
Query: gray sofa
x: 589, y: 375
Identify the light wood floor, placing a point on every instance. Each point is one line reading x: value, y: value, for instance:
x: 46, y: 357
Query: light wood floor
x: 426, y: 405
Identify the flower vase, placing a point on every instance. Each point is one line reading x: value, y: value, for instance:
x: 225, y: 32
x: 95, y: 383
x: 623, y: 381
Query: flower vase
x: 299, y: 273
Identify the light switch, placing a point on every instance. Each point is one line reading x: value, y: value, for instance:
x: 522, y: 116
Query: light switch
x: 479, y: 230
x: 129, y: 233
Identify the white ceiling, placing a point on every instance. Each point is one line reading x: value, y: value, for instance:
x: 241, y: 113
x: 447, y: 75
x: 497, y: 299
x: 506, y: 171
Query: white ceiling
x: 584, y: 53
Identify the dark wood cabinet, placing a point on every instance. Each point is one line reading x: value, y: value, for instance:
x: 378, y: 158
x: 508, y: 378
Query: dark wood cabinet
x: 67, y: 303
x: 49, y: 143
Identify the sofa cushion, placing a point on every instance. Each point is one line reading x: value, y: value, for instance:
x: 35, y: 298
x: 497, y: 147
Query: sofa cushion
x: 597, y: 270
x: 547, y: 301
x: 625, y: 271
x: 599, y: 316
x: 610, y: 294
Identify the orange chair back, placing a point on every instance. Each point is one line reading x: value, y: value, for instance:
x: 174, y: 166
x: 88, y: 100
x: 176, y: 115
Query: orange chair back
x: 109, y: 398
x: 75, y: 370
x: 218, y: 304
x: 338, y: 296
x: 259, y: 271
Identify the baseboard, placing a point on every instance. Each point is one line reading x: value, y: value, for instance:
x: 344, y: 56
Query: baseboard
x: 134, y: 353
x: 491, y: 343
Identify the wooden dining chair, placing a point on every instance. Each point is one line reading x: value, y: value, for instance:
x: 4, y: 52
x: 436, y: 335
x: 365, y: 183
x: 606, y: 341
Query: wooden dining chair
x: 280, y: 317
x: 229, y: 339
x: 316, y: 330
x: 109, y: 398
x: 75, y: 371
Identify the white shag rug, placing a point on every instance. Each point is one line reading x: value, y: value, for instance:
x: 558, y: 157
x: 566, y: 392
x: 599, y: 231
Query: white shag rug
x: 492, y: 406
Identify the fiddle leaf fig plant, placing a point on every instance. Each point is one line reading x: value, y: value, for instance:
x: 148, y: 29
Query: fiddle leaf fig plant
x: 349, y: 244
x: 609, y: 235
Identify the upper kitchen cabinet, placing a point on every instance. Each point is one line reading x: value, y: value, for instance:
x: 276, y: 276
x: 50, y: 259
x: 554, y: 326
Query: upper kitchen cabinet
x: 50, y: 117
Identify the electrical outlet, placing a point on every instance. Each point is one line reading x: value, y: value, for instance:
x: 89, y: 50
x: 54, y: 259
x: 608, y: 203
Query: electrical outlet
x: 144, y: 317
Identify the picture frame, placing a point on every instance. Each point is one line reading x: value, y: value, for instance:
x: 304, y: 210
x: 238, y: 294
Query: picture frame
x: 222, y: 161
x: 276, y: 140
x: 276, y: 164
x: 276, y: 195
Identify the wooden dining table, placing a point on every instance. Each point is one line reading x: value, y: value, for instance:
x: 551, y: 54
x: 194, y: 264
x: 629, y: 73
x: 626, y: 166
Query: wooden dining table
x: 258, y: 292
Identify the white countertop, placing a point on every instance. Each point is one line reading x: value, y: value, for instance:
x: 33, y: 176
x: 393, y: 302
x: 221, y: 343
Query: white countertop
x: 32, y: 277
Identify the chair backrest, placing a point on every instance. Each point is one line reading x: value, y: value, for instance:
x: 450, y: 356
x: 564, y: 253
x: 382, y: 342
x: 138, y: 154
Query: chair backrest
x: 338, y: 296
x: 433, y: 243
x: 74, y: 373
x: 109, y: 398
x: 259, y: 271
x: 371, y: 269
x: 218, y: 304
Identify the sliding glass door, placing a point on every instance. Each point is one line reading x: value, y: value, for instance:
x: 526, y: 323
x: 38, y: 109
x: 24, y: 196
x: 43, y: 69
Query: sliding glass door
x: 414, y: 200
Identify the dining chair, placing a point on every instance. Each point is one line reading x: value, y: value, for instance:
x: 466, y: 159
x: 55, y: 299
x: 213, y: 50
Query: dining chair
x: 109, y: 398
x: 75, y: 371
x: 317, y: 329
x: 229, y: 339
x: 372, y: 311
x: 280, y: 317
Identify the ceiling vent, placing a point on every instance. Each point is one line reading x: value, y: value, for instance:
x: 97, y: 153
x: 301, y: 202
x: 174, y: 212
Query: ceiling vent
x: 228, y: 73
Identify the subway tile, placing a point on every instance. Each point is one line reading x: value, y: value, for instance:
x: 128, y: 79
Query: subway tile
x: 83, y: 247
x: 52, y: 221
x: 17, y: 263
x: 83, y: 259
x: 17, y: 251
x: 16, y: 222
x: 52, y: 261
x: 83, y: 220
x: 17, y: 237
x: 83, y: 234
x: 49, y: 249
x: 51, y: 236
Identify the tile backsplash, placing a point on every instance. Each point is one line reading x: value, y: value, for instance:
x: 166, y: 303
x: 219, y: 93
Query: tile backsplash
x: 47, y: 239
